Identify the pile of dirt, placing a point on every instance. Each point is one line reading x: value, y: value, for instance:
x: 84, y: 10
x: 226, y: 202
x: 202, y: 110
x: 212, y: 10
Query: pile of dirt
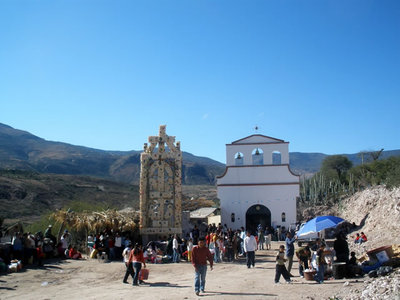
x: 377, y: 212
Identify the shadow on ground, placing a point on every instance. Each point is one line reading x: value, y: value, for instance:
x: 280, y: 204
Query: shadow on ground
x: 166, y: 284
x: 213, y: 293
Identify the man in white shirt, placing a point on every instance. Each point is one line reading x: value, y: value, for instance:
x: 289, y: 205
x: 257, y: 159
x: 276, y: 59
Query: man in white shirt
x: 129, y: 268
x: 250, y: 246
x: 175, y: 249
x: 118, y: 245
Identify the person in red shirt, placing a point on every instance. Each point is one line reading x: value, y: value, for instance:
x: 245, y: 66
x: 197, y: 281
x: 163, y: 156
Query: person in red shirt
x: 358, y: 239
x: 73, y: 253
x: 136, y: 258
x: 200, y: 255
x: 208, y: 239
x: 363, y: 237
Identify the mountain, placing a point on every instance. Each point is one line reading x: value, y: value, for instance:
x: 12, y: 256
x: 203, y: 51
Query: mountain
x: 96, y: 177
x: 23, y: 151
x: 310, y: 163
x: 26, y: 195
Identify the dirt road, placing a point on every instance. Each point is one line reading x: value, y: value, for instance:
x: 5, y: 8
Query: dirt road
x: 90, y: 279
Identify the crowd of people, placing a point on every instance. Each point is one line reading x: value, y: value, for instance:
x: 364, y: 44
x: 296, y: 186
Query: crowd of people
x: 214, y: 244
x: 224, y: 243
x: 32, y: 249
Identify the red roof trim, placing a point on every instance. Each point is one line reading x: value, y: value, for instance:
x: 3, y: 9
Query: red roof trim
x: 260, y: 135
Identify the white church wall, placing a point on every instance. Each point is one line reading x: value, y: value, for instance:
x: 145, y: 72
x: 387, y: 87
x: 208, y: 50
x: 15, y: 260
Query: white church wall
x: 238, y: 199
x: 258, y: 174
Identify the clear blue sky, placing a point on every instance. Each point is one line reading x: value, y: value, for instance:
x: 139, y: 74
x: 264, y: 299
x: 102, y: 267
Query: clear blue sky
x: 323, y: 75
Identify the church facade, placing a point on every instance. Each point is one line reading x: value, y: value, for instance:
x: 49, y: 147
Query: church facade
x: 258, y: 186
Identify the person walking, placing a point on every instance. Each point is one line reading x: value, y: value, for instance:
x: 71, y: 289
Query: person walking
x: 200, y: 255
x: 250, y: 246
x: 136, y: 259
x: 280, y: 268
x: 129, y: 267
x: 289, y: 251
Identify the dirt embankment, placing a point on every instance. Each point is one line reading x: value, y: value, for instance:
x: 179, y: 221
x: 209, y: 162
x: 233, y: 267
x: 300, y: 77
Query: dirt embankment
x: 377, y: 212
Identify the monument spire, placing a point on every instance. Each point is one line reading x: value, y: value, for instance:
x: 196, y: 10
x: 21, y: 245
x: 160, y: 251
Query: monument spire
x: 160, y: 187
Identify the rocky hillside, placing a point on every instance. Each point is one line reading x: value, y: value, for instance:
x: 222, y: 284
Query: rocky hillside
x: 25, y: 196
x: 377, y: 211
x: 21, y: 150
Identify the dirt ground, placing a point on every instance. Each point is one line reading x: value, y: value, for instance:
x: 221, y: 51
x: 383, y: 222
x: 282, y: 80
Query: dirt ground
x: 91, y: 279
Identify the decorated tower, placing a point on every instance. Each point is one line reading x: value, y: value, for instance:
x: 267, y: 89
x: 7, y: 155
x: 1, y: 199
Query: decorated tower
x: 160, y: 187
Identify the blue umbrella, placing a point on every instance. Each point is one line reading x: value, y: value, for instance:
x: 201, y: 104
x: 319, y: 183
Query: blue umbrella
x: 318, y: 224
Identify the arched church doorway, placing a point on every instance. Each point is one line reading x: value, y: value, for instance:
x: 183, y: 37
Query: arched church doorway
x: 257, y: 214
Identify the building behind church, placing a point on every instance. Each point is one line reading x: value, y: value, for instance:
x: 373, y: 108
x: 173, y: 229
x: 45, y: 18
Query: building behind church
x: 258, y: 186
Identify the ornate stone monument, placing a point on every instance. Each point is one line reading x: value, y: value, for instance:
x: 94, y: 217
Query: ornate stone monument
x: 160, y: 187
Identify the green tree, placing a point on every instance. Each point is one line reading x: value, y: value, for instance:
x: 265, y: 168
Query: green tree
x: 336, y: 165
x: 386, y: 171
x: 393, y: 176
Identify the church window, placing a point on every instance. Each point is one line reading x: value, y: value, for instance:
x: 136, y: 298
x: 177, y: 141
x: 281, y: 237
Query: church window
x: 239, y: 159
x: 233, y: 217
x: 283, y: 217
x: 257, y: 156
x: 276, y: 158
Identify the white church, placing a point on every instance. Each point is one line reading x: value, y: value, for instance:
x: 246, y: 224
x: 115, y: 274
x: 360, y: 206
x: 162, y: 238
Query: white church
x: 258, y: 186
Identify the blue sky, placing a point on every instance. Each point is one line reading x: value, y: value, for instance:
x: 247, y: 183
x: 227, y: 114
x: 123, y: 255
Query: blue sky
x: 323, y: 75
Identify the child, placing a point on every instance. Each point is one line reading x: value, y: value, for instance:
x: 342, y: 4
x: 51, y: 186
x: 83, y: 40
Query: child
x: 363, y: 238
x: 280, y: 266
x: 321, y: 263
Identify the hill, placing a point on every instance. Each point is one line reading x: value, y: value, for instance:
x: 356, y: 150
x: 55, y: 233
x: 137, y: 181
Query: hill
x: 26, y: 195
x: 21, y: 150
x: 310, y: 163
